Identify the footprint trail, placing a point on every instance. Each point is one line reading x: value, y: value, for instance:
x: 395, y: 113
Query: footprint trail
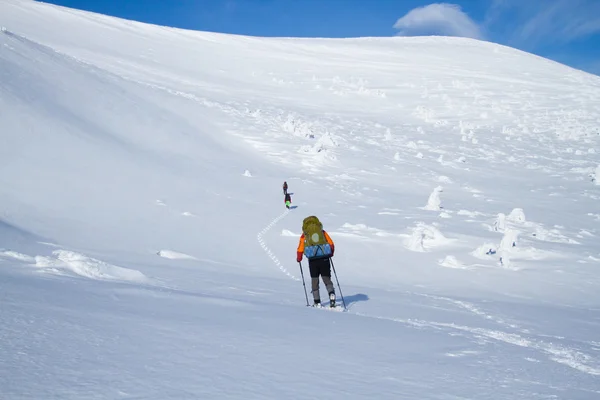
x: 267, y: 250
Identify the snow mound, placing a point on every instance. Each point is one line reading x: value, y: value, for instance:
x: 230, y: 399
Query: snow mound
x: 87, y: 267
x: 434, y: 202
x: 16, y: 256
x: 297, y: 126
x: 321, y: 150
x: 452, y: 262
x: 285, y: 232
x: 174, y: 255
x: 425, y: 237
x: 247, y: 174
x: 517, y: 215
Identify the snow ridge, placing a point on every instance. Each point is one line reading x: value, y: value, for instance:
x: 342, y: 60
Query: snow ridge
x: 65, y: 261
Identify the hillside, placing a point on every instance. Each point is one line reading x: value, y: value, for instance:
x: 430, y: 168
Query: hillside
x: 145, y: 251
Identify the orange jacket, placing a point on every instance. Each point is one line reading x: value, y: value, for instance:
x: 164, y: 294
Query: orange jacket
x: 301, y: 244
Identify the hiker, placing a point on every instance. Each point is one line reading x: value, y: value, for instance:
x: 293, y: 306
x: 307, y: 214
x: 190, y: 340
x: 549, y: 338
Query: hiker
x: 285, y: 187
x: 288, y: 201
x: 318, y: 247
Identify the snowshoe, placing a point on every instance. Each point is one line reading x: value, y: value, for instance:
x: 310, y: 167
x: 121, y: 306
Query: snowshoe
x: 332, y: 300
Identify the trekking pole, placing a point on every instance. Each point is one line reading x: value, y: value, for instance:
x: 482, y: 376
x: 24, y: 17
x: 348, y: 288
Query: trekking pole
x: 338, y: 283
x: 303, y: 284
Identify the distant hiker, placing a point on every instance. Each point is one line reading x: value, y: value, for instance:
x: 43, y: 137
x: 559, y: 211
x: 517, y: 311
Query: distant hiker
x: 288, y: 201
x: 285, y: 187
x: 318, y: 247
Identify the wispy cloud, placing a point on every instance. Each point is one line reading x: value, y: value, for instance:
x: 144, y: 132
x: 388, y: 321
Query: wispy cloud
x: 544, y: 27
x: 521, y: 23
x: 438, y: 19
x: 541, y: 22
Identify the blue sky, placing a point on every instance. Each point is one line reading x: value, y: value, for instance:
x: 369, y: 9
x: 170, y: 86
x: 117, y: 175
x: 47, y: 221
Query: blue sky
x: 567, y: 31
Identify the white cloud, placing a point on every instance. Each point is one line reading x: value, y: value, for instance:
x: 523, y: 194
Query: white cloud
x: 438, y: 19
x: 539, y: 26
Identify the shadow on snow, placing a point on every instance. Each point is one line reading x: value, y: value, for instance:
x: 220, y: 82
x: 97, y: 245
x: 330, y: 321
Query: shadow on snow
x: 355, y: 298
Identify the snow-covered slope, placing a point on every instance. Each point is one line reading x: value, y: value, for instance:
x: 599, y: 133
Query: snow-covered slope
x: 145, y: 251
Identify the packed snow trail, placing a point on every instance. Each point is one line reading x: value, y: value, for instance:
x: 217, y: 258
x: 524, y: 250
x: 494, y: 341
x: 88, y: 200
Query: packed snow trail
x: 267, y: 250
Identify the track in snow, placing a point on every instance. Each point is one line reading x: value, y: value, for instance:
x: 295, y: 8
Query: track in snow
x: 268, y: 250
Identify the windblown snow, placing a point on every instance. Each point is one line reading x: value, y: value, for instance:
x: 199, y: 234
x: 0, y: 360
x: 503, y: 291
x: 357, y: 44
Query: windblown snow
x: 146, y: 252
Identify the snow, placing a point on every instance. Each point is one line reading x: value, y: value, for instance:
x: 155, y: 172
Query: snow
x: 174, y: 255
x: 434, y: 202
x: 138, y: 260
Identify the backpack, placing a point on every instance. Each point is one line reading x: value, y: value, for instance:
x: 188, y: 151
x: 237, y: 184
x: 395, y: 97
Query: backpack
x: 315, y: 244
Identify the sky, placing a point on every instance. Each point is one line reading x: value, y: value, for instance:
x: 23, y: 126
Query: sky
x: 567, y: 31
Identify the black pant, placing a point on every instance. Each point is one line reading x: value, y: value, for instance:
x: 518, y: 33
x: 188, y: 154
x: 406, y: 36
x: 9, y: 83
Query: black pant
x: 321, y: 266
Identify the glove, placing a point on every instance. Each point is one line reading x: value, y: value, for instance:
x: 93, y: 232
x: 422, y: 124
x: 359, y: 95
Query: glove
x: 299, y: 257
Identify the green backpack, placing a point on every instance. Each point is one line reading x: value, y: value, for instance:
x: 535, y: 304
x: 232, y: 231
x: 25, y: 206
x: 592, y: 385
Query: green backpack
x: 313, y: 231
x: 315, y: 244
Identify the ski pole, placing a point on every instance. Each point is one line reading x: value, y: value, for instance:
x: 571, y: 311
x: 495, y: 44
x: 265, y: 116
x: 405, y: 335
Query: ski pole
x: 338, y: 283
x: 303, y: 284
